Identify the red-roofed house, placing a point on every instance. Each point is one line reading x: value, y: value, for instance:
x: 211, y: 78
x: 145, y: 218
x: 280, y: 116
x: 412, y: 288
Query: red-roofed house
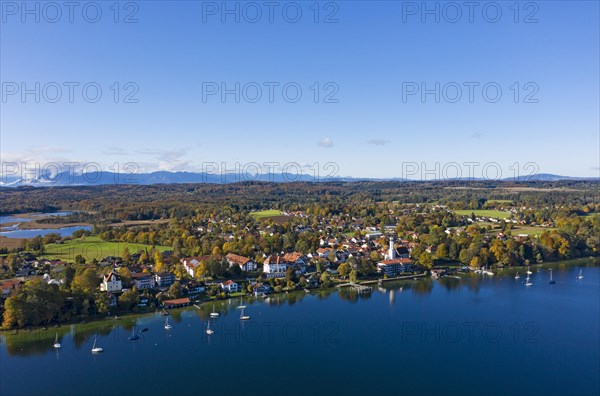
x: 244, y: 263
x: 230, y: 286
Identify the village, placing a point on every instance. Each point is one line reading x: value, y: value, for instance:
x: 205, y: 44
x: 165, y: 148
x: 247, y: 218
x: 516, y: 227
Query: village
x: 223, y: 253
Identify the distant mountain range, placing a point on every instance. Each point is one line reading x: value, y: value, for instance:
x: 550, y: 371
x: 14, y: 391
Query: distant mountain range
x: 164, y: 177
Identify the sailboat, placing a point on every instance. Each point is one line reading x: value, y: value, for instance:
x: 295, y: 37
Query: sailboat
x: 57, y: 345
x: 487, y: 271
x: 552, y: 281
x: 580, y: 276
x: 134, y: 337
x: 241, y: 306
x: 208, y: 329
x: 167, y: 325
x: 96, y: 349
x: 214, y: 314
x: 517, y: 276
x: 528, y: 280
x: 529, y: 272
x: 242, y: 316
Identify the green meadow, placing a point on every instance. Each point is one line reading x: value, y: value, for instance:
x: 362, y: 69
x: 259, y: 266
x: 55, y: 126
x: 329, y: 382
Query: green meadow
x: 483, y: 213
x: 92, y: 247
x: 263, y: 214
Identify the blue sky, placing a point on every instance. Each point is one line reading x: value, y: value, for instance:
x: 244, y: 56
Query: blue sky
x: 370, y: 57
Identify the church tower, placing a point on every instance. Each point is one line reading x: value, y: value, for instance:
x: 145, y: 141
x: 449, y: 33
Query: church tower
x: 392, y: 251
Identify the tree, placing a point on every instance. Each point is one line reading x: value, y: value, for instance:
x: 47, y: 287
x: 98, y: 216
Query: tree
x: 344, y: 269
x: 79, y: 259
x: 125, y: 275
x: 88, y: 281
x: 126, y: 255
x: 426, y: 260
x: 201, y: 270
x: 442, y: 251
x: 175, y: 290
x: 102, y: 303
x: 34, y: 303
x: 353, y: 276
x: 128, y: 300
x: 159, y: 265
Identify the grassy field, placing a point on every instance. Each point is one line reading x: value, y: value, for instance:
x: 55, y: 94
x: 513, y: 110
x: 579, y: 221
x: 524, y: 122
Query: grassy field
x: 92, y: 247
x: 265, y: 213
x: 483, y: 213
x: 500, y: 201
x: 531, y: 231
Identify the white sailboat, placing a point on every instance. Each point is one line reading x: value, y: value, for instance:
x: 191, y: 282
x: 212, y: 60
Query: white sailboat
x: 487, y: 272
x: 96, y: 349
x: 242, y: 316
x: 57, y: 345
x: 528, y: 280
x: 551, y: 280
x: 134, y: 337
x: 208, y: 329
x: 580, y: 276
x: 167, y: 325
x: 517, y: 276
x: 214, y: 314
x: 529, y: 272
x: 241, y: 306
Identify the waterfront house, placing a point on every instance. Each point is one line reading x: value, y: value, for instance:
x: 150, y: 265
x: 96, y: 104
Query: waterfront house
x: 164, y: 279
x: 230, y: 286
x: 143, y: 280
x: 274, y: 267
x: 296, y: 260
x: 245, y: 263
x: 177, y: 303
x: 111, y: 282
x: 395, y: 267
x: 193, y: 288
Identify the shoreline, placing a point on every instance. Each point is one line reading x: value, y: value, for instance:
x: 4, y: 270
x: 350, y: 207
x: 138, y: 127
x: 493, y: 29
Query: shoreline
x: 128, y: 315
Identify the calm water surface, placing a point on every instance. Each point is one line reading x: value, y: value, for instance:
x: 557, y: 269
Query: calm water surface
x: 15, y: 232
x: 452, y: 336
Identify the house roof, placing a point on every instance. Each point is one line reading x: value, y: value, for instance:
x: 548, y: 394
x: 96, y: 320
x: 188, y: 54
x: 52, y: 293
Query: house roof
x: 177, y: 301
x: 112, y: 273
x: 234, y: 258
x: 274, y: 259
x: 292, y: 257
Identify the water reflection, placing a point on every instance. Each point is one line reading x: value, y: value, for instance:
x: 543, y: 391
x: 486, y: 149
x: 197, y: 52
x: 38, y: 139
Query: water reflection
x: 40, y: 342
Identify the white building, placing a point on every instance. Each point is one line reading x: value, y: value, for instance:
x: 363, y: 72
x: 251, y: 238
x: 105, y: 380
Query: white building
x: 190, y: 264
x: 274, y: 267
x: 230, y: 286
x: 391, y: 254
x: 111, y: 282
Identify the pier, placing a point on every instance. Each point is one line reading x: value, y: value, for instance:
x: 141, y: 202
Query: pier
x: 359, y: 288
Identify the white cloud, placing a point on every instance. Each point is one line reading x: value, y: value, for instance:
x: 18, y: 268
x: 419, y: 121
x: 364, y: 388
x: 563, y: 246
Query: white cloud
x: 378, y: 142
x: 326, y: 142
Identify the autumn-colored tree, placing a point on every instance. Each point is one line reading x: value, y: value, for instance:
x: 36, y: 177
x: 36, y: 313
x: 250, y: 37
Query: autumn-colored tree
x: 344, y: 269
x: 88, y: 281
x: 34, y: 303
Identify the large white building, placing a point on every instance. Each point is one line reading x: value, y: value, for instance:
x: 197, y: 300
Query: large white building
x: 274, y: 266
x: 111, y: 282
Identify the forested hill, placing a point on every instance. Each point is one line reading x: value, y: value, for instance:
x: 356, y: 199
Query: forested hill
x: 139, y: 202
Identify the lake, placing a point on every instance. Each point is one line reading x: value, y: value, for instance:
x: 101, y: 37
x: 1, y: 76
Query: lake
x: 15, y: 232
x: 467, y: 336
